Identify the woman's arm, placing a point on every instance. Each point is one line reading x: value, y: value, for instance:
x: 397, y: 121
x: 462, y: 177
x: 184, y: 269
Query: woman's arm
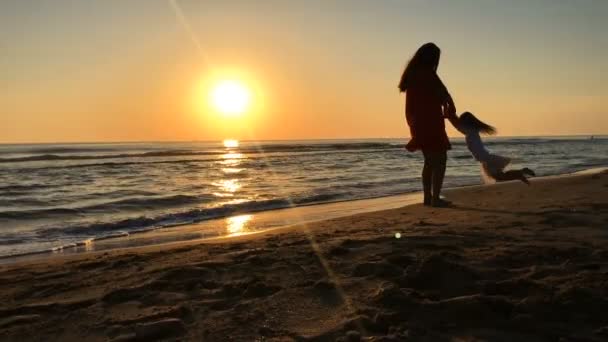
x: 453, y: 118
x: 449, y: 108
x: 449, y: 112
x: 444, y: 97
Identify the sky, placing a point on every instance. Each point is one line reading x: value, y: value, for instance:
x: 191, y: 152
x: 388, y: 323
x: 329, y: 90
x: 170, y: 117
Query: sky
x: 88, y: 71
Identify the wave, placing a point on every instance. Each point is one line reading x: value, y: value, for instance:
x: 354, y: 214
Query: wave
x: 24, y: 187
x: 6, y: 241
x: 37, y: 213
x: 462, y: 156
x: 130, y: 225
x: 322, y: 197
x: 66, y: 149
x: 59, y: 154
x: 534, y: 141
x: 171, y: 219
x: 250, y: 159
x: 24, y: 201
x: 128, y: 204
x: 53, y: 157
x: 271, y: 148
x: 123, y: 193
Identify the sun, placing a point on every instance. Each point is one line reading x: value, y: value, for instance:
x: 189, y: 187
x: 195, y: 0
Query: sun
x: 230, y: 97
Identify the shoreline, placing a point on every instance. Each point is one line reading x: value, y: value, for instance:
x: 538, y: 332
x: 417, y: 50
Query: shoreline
x: 343, y: 208
x: 207, y: 230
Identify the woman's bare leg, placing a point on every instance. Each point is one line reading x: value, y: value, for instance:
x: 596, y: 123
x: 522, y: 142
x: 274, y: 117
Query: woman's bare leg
x: 427, y: 178
x: 432, y: 177
x: 439, y: 174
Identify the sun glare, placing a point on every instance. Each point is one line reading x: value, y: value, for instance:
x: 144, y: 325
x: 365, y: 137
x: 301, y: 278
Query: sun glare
x: 237, y: 225
x: 230, y: 97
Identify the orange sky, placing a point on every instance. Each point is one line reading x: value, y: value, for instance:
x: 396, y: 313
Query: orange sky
x: 116, y: 71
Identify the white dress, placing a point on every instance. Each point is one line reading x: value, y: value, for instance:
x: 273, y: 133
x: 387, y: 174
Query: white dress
x: 491, y: 164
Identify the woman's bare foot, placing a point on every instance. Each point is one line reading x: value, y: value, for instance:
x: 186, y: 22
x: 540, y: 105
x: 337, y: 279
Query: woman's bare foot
x: 440, y: 203
x: 427, y: 201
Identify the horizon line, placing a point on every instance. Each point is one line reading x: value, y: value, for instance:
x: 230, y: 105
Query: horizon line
x: 273, y: 140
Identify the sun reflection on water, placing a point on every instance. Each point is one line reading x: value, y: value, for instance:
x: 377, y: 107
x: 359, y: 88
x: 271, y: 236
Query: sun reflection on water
x: 232, y: 158
x: 88, y: 245
x: 231, y: 143
x: 231, y: 170
x: 229, y: 186
x: 237, y: 225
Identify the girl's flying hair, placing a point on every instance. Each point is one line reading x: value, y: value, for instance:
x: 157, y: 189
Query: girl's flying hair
x: 470, y: 120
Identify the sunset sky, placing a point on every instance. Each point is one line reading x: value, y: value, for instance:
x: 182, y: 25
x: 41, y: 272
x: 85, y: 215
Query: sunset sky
x: 143, y: 70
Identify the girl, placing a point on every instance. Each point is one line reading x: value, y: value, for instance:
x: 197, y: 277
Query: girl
x: 492, y: 165
x: 427, y: 103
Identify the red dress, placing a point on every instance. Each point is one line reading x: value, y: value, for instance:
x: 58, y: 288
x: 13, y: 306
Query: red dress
x: 424, y: 98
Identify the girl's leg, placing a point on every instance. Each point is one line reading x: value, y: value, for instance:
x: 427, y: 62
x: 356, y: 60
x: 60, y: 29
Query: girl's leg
x: 427, y: 174
x: 528, y: 172
x: 512, y: 175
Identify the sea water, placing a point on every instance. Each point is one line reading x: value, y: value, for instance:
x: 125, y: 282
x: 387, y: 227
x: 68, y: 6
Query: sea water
x: 57, y: 195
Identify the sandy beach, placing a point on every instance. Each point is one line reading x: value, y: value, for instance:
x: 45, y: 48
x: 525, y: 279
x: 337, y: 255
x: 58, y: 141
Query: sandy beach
x: 507, y: 262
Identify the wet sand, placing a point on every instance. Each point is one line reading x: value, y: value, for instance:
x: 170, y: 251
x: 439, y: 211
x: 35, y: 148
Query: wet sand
x: 507, y: 263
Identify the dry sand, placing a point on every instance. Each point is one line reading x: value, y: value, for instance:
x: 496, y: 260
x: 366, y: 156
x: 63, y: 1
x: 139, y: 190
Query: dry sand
x: 507, y: 263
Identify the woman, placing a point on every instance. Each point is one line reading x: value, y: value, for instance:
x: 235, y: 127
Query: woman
x: 427, y: 104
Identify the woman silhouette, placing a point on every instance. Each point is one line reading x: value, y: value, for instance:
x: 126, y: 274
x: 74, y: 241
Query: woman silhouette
x: 427, y: 104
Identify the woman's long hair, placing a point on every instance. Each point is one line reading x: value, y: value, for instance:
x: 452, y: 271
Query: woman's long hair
x: 470, y: 120
x: 427, y: 57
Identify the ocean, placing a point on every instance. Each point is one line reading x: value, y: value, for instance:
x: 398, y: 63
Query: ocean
x: 53, y: 196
